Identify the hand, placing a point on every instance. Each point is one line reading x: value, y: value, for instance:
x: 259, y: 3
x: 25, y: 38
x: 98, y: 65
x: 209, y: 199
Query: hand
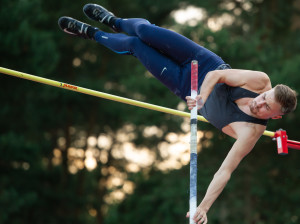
x: 200, y: 216
x: 191, y: 103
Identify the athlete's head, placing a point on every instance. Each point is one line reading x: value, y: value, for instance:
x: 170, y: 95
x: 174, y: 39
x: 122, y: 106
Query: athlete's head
x: 275, y: 102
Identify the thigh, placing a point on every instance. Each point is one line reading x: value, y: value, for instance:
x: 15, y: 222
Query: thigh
x: 162, y: 67
x: 170, y: 43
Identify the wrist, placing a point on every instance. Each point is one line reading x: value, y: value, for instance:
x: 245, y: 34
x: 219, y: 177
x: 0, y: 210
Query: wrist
x: 203, y: 207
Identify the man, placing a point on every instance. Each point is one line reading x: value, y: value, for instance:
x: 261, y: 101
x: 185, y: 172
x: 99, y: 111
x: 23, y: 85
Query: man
x: 238, y: 102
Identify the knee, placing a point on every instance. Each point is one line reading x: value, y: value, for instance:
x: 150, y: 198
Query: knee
x: 134, y: 43
x: 142, y: 29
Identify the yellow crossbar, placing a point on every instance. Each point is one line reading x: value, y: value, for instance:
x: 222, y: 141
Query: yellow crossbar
x: 104, y: 95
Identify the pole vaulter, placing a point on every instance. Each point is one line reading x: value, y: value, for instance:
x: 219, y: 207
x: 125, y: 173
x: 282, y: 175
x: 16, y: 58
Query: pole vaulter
x: 283, y: 143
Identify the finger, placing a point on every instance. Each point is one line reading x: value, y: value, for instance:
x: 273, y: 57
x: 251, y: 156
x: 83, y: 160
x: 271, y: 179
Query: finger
x: 198, y: 215
x: 202, y: 219
x: 191, y: 101
x: 191, y: 106
x: 197, y: 218
x: 188, y: 214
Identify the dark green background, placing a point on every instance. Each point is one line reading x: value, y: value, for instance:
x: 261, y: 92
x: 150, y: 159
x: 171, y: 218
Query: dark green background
x: 35, y: 117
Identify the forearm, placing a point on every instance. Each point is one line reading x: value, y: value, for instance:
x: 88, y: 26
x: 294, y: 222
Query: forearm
x: 215, y: 188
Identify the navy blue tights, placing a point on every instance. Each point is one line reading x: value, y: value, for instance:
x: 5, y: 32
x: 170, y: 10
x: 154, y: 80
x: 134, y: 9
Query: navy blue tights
x: 163, y: 52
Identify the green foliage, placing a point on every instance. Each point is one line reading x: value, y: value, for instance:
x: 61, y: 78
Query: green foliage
x: 159, y: 199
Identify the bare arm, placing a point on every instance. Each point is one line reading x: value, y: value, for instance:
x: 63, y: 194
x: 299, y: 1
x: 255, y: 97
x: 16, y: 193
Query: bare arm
x: 239, y: 150
x: 253, y: 80
x: 234, y: 77
x: 243, y: 145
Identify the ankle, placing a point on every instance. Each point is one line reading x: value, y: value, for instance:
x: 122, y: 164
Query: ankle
x: 116, y: 22
x: 91, y: 31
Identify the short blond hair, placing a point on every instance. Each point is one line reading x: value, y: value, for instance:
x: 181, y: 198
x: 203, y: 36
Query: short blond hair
x: 286, y: 97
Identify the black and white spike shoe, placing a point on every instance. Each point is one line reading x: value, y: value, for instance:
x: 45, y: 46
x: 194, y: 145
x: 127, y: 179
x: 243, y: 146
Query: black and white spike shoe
x: 75, y: 27
x: 100, y: 14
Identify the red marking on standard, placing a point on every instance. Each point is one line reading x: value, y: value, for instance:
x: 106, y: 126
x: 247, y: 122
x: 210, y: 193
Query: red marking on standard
x: 69, y: 86
x: 194, y: 75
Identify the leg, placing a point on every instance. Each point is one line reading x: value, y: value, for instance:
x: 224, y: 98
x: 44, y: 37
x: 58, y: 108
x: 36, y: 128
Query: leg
x: 172, y: 44
x: 175, y: 46
x: 162, y: 67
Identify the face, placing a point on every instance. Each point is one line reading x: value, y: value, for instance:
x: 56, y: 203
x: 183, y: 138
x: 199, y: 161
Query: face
x: 265, y: 106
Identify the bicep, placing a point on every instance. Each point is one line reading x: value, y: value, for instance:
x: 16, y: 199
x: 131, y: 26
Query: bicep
x: 237, y: 77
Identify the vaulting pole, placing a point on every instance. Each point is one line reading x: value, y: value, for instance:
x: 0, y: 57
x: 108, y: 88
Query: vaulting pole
x: 193, y: 143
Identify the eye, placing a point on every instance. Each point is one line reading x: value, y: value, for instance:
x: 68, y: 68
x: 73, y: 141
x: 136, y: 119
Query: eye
x: 267, y: 107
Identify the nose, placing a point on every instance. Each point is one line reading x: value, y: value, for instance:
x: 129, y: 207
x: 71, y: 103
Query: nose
x: 260, y: 103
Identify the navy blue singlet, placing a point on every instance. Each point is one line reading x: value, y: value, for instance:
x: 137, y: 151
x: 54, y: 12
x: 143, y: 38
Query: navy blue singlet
x: 220, y: 108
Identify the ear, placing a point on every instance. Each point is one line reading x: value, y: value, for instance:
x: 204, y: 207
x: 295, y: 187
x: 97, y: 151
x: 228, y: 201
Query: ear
x: 276, y: 117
